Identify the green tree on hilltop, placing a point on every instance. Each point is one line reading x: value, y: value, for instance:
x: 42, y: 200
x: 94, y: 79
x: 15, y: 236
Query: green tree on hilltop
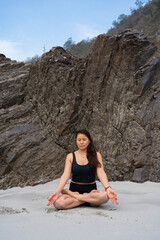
x: 68, y: 43
x: 139, y: 3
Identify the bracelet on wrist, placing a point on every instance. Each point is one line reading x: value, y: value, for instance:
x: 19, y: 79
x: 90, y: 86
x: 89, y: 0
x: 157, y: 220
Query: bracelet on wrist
x: 107, y: 187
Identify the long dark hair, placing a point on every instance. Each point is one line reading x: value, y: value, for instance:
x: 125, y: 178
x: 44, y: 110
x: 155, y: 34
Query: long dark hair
x: 91, y: 151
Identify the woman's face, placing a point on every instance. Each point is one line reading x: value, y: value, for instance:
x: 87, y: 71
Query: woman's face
x: 82, y: 141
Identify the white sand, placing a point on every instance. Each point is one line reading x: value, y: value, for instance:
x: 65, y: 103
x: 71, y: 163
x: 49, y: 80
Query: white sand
x: 25, y: 216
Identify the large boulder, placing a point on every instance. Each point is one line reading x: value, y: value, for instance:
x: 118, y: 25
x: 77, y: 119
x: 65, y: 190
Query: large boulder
x: 114, y: 93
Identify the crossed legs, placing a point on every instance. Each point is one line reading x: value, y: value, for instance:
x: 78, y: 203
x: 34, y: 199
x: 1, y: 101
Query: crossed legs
x: 70, y: 199
x: 66, y: 202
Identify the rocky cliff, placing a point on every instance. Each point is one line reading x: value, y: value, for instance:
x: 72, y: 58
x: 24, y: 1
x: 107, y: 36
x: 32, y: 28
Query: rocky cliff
x: 114, y: 93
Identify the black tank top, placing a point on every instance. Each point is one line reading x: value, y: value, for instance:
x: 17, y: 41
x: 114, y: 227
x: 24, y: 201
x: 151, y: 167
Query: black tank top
x: 82, y: 173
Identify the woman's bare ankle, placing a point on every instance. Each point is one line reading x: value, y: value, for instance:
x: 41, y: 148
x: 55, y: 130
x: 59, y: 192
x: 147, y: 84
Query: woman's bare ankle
x: 64, y: 191
x: 69, y: 192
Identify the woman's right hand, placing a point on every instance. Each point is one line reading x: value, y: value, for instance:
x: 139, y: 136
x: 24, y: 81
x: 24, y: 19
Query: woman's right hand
x: 52, y: 198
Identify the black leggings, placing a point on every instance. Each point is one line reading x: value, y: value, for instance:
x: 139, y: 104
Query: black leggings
x: 82, y: 188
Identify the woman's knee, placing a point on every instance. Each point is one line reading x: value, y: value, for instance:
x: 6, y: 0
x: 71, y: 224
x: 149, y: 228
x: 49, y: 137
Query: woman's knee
x: 60, y: 203
x: 101, y: 195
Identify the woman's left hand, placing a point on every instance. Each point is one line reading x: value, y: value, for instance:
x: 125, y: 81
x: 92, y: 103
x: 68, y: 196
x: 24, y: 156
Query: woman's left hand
x: 112, y: 195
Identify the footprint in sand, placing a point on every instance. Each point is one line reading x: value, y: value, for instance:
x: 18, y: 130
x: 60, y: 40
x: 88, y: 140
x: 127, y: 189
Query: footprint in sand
x: 8, y: 210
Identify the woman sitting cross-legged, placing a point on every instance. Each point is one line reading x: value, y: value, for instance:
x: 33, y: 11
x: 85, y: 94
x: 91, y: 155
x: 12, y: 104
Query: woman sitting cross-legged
x: 84, y: 164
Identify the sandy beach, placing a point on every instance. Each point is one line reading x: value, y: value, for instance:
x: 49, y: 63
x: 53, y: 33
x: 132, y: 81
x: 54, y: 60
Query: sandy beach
x: 24, y: 214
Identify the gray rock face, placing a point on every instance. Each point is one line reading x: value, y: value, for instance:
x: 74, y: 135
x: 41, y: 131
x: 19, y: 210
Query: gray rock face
x: 28, y: 154
x: 114, y: 93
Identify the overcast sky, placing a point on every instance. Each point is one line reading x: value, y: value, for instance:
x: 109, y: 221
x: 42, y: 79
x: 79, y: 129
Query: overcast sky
x: 26, y: 26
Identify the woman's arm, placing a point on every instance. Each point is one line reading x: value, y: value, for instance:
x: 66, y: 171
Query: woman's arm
x: 63, y: 180
x: 104, y: 180
x: 66, y: 174
x: 101, y: 173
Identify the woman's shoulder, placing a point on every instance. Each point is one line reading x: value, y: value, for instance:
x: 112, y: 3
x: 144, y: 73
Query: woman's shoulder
x: 70, y: 154
x: 70, y: 157
x: 99, y: 156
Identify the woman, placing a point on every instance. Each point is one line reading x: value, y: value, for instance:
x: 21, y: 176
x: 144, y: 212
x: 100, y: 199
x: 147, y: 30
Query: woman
x: 84, y: 164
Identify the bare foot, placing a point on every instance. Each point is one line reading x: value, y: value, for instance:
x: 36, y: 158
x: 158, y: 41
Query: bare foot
x: 70, y: 193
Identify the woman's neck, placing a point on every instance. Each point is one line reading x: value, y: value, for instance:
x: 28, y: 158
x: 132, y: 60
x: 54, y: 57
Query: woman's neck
x: 82, y: 151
